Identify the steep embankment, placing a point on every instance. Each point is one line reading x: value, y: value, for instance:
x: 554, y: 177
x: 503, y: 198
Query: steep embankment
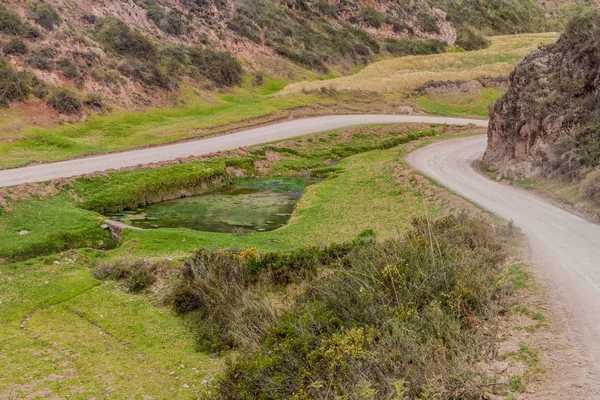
x: 134, y: 53
x: 548, y: 124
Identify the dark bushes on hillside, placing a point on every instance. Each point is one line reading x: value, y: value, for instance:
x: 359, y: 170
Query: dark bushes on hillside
x: 45, y: 15
x: 65, y: 101
x: 119, y: 38
x: 15, y: 46
x: 10, y: 22
x: 406, y: 47
x: 41, y: 59
x: 394, y: 319
x: 15, y: 85
x: 147, y: 73
x: 221, y: 68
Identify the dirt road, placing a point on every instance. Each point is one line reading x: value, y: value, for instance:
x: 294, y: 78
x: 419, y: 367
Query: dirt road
x: 565, y: 247
x: 264, y: 134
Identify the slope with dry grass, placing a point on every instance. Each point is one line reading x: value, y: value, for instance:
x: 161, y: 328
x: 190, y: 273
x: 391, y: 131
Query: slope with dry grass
x: 407, y: 73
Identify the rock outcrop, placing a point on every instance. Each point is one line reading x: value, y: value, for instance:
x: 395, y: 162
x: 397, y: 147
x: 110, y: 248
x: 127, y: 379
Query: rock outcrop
x: 541, y: 125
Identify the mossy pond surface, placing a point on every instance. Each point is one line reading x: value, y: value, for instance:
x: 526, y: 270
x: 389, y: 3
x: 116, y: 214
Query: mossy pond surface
x: 257, y: 205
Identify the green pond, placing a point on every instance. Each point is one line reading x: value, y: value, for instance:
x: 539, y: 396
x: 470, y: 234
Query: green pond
x: 245, y: 206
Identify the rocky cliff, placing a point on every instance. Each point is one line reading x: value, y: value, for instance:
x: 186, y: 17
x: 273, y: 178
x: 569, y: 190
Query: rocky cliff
x: 548, y: 121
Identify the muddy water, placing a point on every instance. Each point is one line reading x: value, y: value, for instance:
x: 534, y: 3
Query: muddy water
x: 229, y: 209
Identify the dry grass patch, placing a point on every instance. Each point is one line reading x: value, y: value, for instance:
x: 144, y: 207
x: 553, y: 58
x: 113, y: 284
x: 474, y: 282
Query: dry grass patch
x: 408, y: 73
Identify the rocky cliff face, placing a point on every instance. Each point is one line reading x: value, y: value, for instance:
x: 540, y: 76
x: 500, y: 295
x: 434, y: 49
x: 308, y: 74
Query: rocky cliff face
x: 545, y: 123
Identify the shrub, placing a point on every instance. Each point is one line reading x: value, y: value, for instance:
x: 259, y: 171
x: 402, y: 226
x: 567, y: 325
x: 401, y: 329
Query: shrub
x: 406, y: 47
x: 45, y: 15
x: 41, y: 59
x: 94, y: 101
x: 65, y: 101
x: 68, y: 68
x: 590, y: 186
x: 371, y: 16
x: 10, y: 22
x: 15, y: 46
x: 469, y: 39
x: 221, y: 68
x: 137, y: 275
x: 147, y: 73
x: 31, y: 32
x: 15, y: 85
x: 119, y: 38
x: 393, y: 317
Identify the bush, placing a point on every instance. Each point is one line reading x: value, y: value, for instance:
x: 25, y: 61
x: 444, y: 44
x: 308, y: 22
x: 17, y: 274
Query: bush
x: 15, y: 46
x: 45, y: 15
x: 119, y: 38
x: 94, y: 101
x: 65, y: 101
x: 41, y: 59
x: 68, y: 68
x: 216, y: 288
x: 221, y: 68
x: 10, y: 22
x: 147, y: 73
x: 372, y: 17
x: 31, y: 32
x: 392, y: 317
x: 406, y: 47
x: 136, y: 275
x: 15, y: 85
x: 468, y: 39
x: 590, y: 186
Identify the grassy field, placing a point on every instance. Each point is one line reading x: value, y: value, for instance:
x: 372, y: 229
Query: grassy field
x: 66, y: 334
x: 408, y: 73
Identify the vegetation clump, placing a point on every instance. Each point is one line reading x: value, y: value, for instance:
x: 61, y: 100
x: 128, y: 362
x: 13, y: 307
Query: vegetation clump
x: 15, y: 85
x: 392, y: 318
x: 15, y: 46
x: 65, y: 101
x: 46, y: 16
x: 10, y: 22
x: 119, y: 38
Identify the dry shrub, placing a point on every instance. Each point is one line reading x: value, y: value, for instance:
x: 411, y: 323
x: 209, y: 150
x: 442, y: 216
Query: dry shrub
x: 590, y: 187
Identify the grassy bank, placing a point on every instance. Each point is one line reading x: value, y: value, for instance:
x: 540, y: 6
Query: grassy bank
x: 66, y: 334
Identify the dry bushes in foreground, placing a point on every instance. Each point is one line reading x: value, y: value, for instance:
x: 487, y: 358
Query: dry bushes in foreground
x: 397, y: 319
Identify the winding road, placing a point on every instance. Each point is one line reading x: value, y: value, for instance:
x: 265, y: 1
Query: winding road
x: 249, y: 137
x: 566, y: 246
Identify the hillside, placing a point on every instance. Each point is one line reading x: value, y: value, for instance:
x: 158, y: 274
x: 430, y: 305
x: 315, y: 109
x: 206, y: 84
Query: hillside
x: 86, y: 56
x: 547, y: 124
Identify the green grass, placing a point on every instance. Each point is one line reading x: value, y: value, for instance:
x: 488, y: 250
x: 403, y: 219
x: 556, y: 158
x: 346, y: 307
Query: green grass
x: 65, y: 334
x: 54, y: 225
x: 465, y: 105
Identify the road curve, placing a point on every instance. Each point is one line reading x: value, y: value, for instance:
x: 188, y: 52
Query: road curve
x: 566, y: 247
x: 250, y: 137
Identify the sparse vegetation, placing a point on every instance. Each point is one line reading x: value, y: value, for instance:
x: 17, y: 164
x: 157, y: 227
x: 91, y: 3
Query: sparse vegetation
x: 65, y: 101
x: 46, y: 16
x: 10, y: 22
x: 15, y: 46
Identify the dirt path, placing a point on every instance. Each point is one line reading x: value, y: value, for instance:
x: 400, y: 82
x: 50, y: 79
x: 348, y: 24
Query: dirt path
x: 250, y: 137
x: 566, y: 253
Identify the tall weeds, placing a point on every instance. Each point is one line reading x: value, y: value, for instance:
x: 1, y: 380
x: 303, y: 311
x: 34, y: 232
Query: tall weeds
x: 386, y: 320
